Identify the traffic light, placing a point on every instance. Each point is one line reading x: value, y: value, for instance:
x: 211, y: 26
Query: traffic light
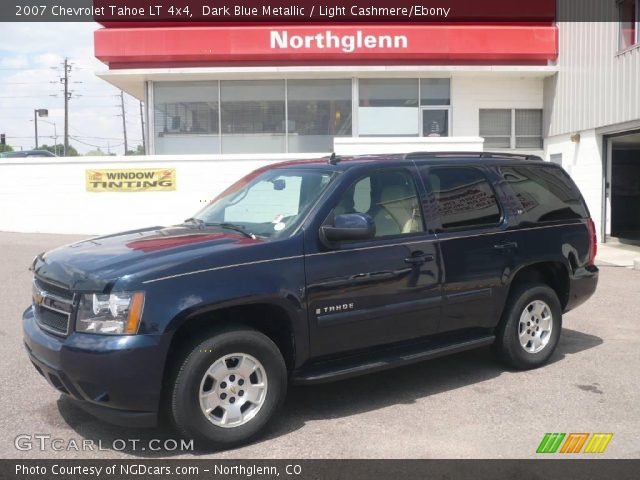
x: 3, y: 139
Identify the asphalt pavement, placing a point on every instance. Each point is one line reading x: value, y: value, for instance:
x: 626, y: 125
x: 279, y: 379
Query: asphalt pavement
x: 463, y: 406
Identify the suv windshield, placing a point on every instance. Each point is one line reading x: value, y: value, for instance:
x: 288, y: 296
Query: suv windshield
x: 269, y: 205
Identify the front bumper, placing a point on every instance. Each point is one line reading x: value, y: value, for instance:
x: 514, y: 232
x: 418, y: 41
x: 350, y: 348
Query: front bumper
x: 115, y: 378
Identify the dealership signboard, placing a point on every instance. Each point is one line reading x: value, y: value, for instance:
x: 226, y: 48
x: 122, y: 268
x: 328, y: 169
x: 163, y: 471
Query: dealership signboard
x: 131, y: 180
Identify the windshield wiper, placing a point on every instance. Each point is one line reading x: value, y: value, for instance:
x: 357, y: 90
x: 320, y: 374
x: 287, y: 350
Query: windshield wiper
x: 231, y: 226
x: 228, y: 226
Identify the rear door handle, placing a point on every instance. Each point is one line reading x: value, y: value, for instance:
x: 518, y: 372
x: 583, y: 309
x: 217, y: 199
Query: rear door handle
x: 506, y: 245
x: 419, y: 259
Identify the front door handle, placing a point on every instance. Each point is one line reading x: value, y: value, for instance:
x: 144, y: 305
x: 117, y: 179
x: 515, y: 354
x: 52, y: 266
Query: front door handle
x: 419, y: 258
x: 506, y: 245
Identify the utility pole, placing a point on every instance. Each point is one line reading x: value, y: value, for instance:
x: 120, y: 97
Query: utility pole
x: 35, y: 122
x: 124, y: 122
x: 67, y: 96
x: 144, y: 138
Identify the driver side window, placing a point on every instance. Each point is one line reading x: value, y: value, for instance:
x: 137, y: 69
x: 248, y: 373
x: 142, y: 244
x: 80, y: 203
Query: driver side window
x: 389, y: 198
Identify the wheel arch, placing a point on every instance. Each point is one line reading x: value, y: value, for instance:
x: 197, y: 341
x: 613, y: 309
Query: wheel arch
x: 553, y: 273
x: 271, y: 317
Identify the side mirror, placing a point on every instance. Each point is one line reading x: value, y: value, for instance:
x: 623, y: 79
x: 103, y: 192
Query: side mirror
x: 350, y: 226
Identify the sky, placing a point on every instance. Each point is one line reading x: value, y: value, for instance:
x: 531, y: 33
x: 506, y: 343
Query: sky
x: 31, y: 57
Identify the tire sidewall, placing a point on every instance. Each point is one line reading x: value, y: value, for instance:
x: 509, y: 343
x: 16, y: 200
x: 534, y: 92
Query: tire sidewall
x: 516, y: 355
x: 186, y: 410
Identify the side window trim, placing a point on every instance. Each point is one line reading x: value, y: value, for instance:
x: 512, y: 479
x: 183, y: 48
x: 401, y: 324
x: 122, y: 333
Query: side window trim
x: 414, y: 176
x: 440, y: 229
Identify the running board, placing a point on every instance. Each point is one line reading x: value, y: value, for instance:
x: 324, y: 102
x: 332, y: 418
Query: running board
x: 360, y: 365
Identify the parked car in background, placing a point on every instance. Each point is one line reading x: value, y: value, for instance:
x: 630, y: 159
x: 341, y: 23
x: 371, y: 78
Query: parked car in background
x: 27, y: 154
x: 311, y: 271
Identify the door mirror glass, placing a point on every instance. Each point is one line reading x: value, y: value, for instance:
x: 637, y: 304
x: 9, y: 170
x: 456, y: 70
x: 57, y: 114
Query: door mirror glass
x: 349, y: 227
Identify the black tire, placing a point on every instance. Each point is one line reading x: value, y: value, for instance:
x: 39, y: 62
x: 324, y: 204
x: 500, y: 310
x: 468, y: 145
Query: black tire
x: 508, y: 344
x: 185, y: 385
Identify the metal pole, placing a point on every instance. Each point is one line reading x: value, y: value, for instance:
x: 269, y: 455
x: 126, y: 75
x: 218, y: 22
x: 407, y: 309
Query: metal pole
x: 67, y: 67
x: 55, y: 140
x: 124, y: 122
x: 144, y: 139
x: 35, y: 122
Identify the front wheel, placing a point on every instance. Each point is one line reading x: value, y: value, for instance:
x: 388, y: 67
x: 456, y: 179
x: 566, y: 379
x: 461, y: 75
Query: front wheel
x: 530, y: 328
x: 228, y: 387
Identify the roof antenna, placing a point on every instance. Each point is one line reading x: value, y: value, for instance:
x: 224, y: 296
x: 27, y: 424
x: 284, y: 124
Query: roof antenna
x: 333, y: 159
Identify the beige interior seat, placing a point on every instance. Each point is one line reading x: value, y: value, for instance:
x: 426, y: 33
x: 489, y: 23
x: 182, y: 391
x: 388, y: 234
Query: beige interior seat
x: 397, y: 212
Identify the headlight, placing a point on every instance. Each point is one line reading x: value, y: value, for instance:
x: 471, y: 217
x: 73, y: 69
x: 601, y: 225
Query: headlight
x: 116, y: 314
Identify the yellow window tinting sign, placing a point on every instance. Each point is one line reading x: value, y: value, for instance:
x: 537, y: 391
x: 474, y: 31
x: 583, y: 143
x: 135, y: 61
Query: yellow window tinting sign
x: 131, y: 180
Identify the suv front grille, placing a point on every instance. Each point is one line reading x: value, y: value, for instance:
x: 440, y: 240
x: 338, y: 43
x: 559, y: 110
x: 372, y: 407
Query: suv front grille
x: 53, y: 307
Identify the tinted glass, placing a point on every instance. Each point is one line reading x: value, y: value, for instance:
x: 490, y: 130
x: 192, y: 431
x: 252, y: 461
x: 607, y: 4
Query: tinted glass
x: 545, y: 193
x: 319, y: 110
x: 388, y: 107
x: 389, y: 198
x: 435, y: 91
x: 252, y: 116
x: 186, y: 117
x: 435, y: 123
x: 464, y: 197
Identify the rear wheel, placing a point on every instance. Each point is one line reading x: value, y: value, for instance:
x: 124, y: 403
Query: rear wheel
x: 228, y: 387
x: 530, y: 327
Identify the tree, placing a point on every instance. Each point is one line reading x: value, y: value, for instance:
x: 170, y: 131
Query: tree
x: 138, y: 151
x: 6, y: 148
x: 59, y: 150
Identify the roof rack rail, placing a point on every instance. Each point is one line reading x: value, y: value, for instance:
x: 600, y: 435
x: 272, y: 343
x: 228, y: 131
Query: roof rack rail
x: 496, y: 155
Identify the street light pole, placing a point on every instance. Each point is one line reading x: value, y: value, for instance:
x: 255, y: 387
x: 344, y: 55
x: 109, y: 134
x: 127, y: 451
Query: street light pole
x: 39, y: 112
x: 35, y: 122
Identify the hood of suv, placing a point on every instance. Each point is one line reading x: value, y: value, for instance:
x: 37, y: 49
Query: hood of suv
x: 94, y: 263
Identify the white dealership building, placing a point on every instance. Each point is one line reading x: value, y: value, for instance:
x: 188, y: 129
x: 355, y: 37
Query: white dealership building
x: 221, y: 101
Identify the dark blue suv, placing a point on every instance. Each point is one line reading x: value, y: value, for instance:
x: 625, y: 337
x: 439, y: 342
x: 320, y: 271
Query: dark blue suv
x: 311, y: 271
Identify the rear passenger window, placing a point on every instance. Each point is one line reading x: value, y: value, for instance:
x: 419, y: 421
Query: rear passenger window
x: 546, y: 194
x: 464, y: 198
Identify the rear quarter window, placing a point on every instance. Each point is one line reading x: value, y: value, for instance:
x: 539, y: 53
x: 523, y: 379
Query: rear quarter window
x: 545, y: 193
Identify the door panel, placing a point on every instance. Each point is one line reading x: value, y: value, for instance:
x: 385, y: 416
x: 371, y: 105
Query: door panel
x: 477, y: 247
x: 361, y: 297
x: 382, y: 290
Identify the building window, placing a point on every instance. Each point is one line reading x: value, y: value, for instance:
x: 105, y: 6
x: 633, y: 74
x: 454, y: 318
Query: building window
x: 629, y: 11
x: 252, y: 116
x: 511, y: 128
x: 318, y: 111
x: 388, y: 107
x: 495, y: 127
x: 186, y: 117
x: 528, y: 128
x: 298, y: 115
x: 404, y: 107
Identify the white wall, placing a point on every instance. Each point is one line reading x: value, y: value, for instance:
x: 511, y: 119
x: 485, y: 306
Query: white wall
x: 49, y: 194
x: 382, y: 145
x: 583, y: 161
x: 470, y: 93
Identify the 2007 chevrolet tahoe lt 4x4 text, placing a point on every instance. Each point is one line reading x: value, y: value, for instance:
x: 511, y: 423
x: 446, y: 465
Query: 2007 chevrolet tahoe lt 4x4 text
x: 310, y: 271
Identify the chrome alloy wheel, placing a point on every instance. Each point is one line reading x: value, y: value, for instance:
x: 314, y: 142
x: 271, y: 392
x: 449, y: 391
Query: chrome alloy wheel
x: 534, y: 329
x: 233, y: 390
